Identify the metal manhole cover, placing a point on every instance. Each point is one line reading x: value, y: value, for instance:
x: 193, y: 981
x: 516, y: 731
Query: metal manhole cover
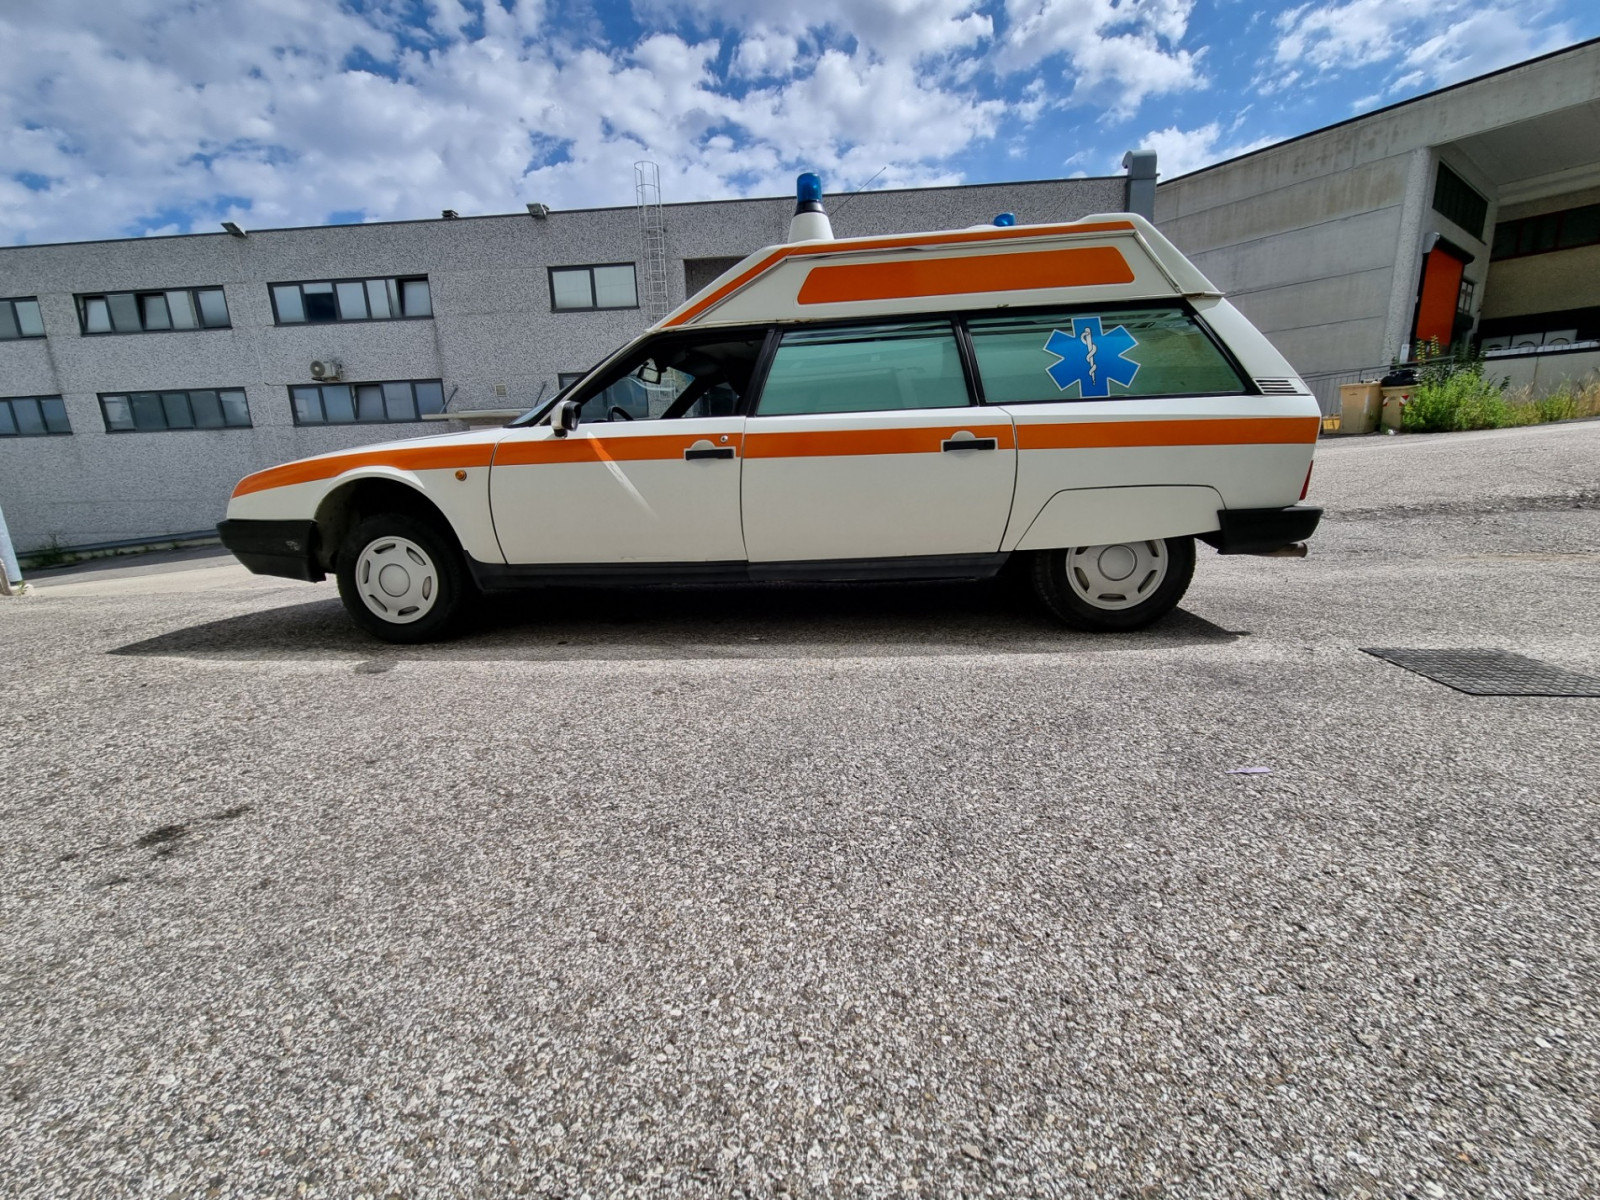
x: 1490, y: 672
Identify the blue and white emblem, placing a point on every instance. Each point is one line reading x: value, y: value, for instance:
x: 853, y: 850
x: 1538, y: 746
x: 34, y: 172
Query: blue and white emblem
x: 1090, y: 358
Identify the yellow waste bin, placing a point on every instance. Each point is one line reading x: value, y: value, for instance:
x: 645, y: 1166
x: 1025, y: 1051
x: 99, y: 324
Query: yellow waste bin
x: 1395, y: 400
x: 1358, y: 407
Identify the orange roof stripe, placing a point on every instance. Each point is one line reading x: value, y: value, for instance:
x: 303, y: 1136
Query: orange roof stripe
x: 963, y: 237
x: 403, y: 458
x: 1077, y: 266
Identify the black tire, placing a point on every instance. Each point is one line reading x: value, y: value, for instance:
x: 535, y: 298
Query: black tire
x: 1140, y: 599
x: 439, y: 583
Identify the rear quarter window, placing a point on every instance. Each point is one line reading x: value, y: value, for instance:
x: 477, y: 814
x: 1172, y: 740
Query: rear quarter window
x: 1104, y: 354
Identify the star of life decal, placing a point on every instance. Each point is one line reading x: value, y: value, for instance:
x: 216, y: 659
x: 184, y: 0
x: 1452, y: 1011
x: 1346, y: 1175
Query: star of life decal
x: 1091, y: 358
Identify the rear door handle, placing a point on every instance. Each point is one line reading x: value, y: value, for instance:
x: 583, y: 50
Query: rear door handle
x: 704, y: 449
x: 971, y: 443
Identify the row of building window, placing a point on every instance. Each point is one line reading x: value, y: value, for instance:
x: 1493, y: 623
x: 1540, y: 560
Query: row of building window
x: 227, y: 408
x: 33, y: 416
x: 318, y: 302
x: 1564, y: 230
x: 150, y: 412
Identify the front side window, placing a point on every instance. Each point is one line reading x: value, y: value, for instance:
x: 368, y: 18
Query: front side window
x: 573, y: 289
x: 20, y: 319
x: 33, y: 416
x: 154, y: 312
x: 1104, y: 354
x: 869, y: 368
x: 676, y: 378
x: 323, y: 301
x: 366, y: 403
x: 159, y: 412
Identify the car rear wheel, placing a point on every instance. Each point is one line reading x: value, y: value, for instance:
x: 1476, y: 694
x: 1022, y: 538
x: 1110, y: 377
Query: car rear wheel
x: 401, y: 578
x: 1122, y: 586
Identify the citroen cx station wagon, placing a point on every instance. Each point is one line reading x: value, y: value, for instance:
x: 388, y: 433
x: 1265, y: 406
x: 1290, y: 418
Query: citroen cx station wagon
x: 1077, y: 399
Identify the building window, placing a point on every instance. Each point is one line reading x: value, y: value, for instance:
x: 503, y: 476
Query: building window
x: 152, y: 312
x: 612, y: 285
x: 20, y: 319
x: 159, y: 412
x: 33, y: 416
x: 366, y: 403
x: 1564, y: 230
x: 323, y: 301
x: 1455, y: 200
x: 1465, y: 296
x: 699, y: 272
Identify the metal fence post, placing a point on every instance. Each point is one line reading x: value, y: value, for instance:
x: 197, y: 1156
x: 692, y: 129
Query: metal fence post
x: 10, y: 573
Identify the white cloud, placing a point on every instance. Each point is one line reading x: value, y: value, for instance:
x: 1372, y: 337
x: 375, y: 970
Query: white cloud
x: 1179, y: 151
x: 896, y: 30
x: 1118, y: 51
x: 145, y: 115
x: 1433, y: 42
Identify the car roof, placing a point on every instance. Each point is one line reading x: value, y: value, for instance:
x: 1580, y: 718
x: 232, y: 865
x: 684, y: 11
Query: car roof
x: 1108, y: 257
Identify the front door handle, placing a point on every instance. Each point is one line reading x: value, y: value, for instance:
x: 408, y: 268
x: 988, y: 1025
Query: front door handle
x: 965, y: 441
x: 704, y: 449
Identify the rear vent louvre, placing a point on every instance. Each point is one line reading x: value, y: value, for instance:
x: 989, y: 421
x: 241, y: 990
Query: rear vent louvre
x: 1280, y: 387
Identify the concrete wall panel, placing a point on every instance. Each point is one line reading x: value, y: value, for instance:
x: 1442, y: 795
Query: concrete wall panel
x: 1543, y: 283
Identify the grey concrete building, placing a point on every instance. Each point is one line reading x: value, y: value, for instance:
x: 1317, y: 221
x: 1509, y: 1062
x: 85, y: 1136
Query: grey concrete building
x: 141, y: 378
x: 1472, y: 212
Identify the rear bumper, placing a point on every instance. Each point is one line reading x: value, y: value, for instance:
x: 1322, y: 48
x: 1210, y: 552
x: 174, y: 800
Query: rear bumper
x: 1262, y: 530
x: 287, y: 548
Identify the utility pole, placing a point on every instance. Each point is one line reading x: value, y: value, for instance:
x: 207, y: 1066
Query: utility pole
x: 10, y: 573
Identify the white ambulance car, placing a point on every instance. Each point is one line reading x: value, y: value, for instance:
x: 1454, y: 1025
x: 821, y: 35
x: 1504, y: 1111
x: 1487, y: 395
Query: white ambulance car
x: 924, y: 406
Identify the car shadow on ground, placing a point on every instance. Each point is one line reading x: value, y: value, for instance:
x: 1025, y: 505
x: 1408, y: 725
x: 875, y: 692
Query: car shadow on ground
x: 765, y: 621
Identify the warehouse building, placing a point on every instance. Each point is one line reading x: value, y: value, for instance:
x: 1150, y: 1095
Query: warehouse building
x: 1471, y: 212
x: 140, y: 379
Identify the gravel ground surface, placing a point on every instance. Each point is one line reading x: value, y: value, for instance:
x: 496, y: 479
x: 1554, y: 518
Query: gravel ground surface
x: 813, y: 891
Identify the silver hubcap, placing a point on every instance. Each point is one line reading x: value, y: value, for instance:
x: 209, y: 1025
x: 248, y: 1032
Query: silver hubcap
x: 1119, y: 576
x: 397, y: 580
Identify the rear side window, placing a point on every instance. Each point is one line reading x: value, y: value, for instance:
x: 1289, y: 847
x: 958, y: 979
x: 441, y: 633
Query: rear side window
x: 865, y: 369
x: 1097, y: 355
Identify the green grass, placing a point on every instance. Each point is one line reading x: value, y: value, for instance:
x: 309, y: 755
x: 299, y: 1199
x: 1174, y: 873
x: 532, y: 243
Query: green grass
x: 1466, y: 400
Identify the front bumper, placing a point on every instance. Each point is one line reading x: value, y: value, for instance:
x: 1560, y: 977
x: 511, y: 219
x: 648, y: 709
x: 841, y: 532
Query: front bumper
x: 1262, y: 530
x: 287, y: 548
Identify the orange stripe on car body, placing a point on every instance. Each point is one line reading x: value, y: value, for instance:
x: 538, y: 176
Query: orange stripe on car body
x: 418, y: 458
x: 965, y: 237
x: 1218, y: 431
x: 1076, y: 266
x: 578, y: 449
x: 828, y: 443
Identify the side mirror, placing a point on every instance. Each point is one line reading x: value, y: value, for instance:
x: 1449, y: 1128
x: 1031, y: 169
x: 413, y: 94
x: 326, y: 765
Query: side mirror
x: 564, y: 418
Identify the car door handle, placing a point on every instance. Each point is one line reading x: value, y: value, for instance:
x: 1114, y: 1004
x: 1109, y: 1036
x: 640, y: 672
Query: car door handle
x: 971, y: 443
x: 704, y: 449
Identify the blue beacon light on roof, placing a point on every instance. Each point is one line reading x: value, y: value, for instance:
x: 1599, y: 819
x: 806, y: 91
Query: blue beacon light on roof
x: 1006, y: 220
x: 810, y: 223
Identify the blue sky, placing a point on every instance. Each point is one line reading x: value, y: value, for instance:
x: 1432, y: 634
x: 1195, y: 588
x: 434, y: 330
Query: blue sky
x: 129, y: 117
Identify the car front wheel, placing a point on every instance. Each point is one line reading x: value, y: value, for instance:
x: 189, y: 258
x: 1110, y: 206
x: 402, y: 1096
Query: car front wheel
x: 1122, y: 586
x: 401, y: 578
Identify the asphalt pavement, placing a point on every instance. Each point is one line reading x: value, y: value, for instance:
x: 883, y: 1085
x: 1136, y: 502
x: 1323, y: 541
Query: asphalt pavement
x: 811, y: 891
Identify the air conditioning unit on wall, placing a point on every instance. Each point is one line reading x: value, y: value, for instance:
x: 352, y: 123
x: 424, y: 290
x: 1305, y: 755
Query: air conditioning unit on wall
x: 326, y: 369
